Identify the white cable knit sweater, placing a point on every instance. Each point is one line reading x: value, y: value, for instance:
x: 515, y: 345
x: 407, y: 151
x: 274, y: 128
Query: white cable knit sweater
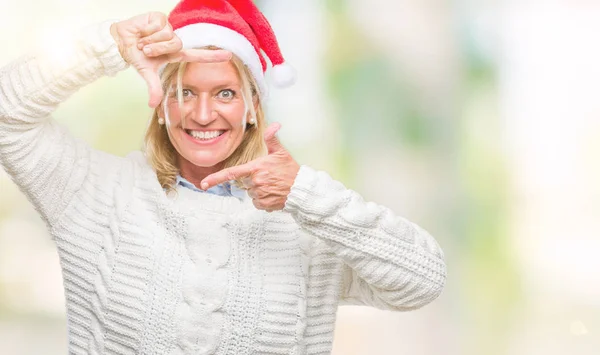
x: 145, y: 273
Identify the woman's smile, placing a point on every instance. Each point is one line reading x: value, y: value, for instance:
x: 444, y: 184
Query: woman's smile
x: 205, y: 137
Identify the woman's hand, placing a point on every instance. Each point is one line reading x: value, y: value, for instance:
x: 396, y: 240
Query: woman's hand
x: 147, y: 42
x: 269, y: 179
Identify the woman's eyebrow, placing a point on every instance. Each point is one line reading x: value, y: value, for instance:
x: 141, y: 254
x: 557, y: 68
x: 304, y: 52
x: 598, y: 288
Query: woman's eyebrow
x: 227, y: 85
x: 217, y: 86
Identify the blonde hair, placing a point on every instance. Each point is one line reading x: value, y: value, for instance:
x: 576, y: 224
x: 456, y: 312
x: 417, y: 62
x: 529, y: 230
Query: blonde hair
x: 161, y: 153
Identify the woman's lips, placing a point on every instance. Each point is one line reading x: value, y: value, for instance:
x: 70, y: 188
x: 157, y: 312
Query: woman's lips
x: 194, y: 136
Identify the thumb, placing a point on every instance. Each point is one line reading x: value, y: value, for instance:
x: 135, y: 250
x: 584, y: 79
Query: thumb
x: 155, y: 92
x: 271, y: 139
x: 155, y: 22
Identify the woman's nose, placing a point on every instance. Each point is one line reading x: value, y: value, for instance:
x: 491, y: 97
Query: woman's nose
x: 203, y: 110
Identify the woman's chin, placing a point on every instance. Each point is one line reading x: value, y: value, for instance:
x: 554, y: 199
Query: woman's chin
x: 204, y: 160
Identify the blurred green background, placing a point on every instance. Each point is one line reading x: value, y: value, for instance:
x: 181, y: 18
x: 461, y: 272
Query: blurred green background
x: 477, y: 120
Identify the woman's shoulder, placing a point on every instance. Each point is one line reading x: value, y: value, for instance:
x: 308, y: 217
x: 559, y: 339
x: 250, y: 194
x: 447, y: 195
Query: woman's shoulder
x: 138, y: 158
x: 109, y: 172
x: 136, y: 166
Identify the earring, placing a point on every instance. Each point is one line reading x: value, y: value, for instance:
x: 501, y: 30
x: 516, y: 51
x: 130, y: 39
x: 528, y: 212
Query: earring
x: 252, y: 120
x: 161, y: 121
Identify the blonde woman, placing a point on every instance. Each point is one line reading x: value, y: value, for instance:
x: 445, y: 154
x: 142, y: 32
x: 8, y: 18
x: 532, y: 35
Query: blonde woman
x: 173, y: 250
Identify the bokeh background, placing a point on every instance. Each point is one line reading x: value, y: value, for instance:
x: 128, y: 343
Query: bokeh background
x: 479, y: 120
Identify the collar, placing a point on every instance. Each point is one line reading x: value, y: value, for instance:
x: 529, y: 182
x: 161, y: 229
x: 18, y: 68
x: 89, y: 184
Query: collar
x: 227, y: 188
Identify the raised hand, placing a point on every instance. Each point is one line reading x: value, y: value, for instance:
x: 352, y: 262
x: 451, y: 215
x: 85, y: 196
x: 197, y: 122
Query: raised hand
x: 268, y: 179
x: 147, y: 42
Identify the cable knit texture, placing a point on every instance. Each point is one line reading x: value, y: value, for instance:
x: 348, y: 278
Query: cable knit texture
x: 192, y: 273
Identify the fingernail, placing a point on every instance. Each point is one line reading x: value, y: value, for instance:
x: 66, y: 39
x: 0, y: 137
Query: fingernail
x: 147, y: 50
x: 204, y: 185
x: 226, y: 55
x: 140, y: 45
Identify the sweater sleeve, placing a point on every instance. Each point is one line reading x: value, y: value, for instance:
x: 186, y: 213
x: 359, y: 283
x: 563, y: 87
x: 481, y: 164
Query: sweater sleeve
x: 390, y: 263
x: 41, y: 157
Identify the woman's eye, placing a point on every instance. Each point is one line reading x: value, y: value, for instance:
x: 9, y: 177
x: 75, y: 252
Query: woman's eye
x: 226, y: 94
x: 187, y: 94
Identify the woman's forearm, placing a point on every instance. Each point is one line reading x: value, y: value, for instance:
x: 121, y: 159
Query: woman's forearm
x: 40, y: 155
x: 33, y: 86
x: 392, y: 262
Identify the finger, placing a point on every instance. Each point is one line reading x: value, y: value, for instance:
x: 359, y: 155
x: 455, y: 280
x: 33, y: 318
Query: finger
x: 155, y: 92
x: 258, y: 204
x: 271, y: 139
x: 200, y: 55
x: 247, y: 182
x: 258, y: 193
x: 164, y: 35
x: 156, y: 22
x: 162, y: 48
x: 252, y: 193
x: 228, y: 174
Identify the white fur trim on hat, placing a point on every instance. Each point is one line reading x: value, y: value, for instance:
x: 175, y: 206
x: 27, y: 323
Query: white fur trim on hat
x: 199, y: 35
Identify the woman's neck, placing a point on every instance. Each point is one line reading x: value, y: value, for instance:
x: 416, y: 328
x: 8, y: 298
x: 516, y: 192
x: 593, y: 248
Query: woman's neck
x: 195, y: 174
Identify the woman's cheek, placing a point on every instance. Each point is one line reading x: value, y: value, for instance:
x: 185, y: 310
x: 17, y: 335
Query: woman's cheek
x: 234, y: 112
x: 174, y: 115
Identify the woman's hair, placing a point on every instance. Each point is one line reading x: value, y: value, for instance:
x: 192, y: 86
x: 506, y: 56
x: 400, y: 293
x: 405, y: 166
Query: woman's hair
x: 162, y: 154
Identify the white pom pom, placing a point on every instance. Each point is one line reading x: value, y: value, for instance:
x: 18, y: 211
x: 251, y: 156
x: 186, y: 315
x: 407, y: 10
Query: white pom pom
x: 283, y: 75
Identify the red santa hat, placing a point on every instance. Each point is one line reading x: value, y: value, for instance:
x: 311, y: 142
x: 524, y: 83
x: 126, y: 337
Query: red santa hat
x: 237, y: 26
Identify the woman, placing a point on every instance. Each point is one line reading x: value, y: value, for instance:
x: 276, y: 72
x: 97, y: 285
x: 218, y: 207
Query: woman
x: 173, y: 251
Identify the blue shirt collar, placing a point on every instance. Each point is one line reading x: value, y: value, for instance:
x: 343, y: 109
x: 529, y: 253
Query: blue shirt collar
x: 225, y: 189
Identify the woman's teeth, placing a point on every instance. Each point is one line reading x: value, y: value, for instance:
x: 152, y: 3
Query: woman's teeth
x: 205, y: 135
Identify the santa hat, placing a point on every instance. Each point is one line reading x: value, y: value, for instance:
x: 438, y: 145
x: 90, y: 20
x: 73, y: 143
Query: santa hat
x: 237, y: 26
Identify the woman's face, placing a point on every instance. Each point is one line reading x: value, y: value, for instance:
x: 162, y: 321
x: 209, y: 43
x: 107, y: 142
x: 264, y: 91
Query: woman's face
x: 210, y: 124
